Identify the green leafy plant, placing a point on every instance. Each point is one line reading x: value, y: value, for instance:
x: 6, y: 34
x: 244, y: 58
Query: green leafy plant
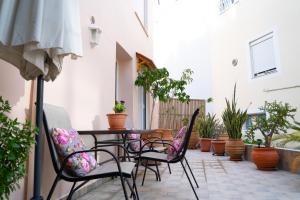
x: 160, y: 86
x: 219, y: 130
x: 185, y: 121
x: 119, y: 107
x: 207, y: 126
x: 234, y: 118
x: 16, y: 140
x: 275, y: 122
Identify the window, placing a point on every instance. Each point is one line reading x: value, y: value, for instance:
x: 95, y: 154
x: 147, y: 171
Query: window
x: 226, y: 4
x: 251, y: 119
x: 262, y: 54
x: 141, y: 10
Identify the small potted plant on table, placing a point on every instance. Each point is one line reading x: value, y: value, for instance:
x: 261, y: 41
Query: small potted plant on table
x: 233, y: 119
x: 276, y: 122
x: 117, y: 120
x: 206, y: 129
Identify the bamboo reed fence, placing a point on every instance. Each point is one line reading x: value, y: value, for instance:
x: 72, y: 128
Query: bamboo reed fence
x: 172, y: 113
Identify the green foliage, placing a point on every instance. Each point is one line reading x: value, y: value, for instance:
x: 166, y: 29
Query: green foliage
x: 220, y: 129
x: 206, y: 126
x: 250, y: 138
x: 286, y: 138
x: 276, y: 122
x: 296, y: 126
x: 15, y: 143
x: 159, y: 85
x: 234, y: 118
x: 185, y: 121
x: 119, y: 107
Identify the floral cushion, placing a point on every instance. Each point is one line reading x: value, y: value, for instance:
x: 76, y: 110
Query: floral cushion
x: 176, y: 144
x: 67, y: 142
x: 136, y: 145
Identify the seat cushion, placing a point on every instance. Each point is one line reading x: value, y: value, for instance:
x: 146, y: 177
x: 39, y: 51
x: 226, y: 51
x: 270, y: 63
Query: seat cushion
x: 154, y: 156
x: 176, y: 144
x: 111, y: 169
x: 67, y: 142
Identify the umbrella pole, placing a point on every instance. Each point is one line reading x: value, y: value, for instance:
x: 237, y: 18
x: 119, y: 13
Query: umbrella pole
x: 38, y: 152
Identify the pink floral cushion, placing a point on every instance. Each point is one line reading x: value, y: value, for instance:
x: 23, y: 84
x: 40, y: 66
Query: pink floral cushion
x: 136, y: 145
x: 67, y: 142
x: 176, y: 144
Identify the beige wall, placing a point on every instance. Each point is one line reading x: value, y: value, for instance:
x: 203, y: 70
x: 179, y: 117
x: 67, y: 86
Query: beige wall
x: 85, y: 86
x: 230, y: 34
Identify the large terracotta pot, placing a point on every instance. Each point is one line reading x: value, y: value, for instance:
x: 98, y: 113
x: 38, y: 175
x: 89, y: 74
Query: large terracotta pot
x: 218, y: 147
x: 166, y: 134
x: 235, y: 149
x: 194, y: 140
x: 116, y: 121
x: 205, y: 144
x: 265, y: 158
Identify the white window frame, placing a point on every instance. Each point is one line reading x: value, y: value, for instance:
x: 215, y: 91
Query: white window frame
x: 257, y: 40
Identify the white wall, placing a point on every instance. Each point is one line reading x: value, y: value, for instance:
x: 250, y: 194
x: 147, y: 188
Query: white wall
x: 230, y: 34
x: 181, y: 40
x: 85, y: 87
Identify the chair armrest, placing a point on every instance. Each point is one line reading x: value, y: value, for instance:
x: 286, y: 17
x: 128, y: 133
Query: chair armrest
x: 86, y: 151
x: 109, y: 145
x: 155, y: 142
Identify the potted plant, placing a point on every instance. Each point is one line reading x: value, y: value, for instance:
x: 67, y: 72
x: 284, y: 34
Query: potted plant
x: 206, y: 128
x: 16, y: 140
x: 117, y: 120
x: 218, y: 144
x: 233, y: 119
x: 276, y: 121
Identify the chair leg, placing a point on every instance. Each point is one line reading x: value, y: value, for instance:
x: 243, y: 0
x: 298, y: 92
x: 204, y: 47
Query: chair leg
x: 124, y: 187
x: 137, y: 167
x: 71, y: 191
x: 134, y: 186
x: 169, y: 168
x: 156, y: 165
x: 191, y: 172
x: 145, y: 172
x: 52, y: 188
x: 189, y: 179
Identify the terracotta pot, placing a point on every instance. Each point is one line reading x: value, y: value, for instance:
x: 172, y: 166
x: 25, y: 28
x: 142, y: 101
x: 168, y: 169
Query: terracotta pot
x: 194, y: 140
x: 223, y: 136
x: 265, y: 158
x: 235, y: 149
x: 166, y: 134
x: 218, y: 147
x: 205, y: 144
x: 116, y: 121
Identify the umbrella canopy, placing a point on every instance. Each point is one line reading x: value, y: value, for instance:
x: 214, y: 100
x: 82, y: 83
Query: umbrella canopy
x: 35, y: 35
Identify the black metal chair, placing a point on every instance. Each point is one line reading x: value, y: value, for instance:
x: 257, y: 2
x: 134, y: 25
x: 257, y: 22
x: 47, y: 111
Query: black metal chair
x: 162, y: 157
x: 57, y: 117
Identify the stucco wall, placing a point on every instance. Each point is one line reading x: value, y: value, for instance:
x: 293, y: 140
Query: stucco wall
x: 86, y: 86
x: 230, y: 34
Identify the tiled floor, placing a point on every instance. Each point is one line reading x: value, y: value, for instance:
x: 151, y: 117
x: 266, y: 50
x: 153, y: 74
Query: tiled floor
x: 218, y: 179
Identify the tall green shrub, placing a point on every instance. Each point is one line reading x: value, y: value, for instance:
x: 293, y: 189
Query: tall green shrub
x: 15, y: 143
x: 234, y: 118
x: 160, y: 86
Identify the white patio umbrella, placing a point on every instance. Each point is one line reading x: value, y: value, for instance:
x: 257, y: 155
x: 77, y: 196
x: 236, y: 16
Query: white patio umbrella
x: 35, y: 36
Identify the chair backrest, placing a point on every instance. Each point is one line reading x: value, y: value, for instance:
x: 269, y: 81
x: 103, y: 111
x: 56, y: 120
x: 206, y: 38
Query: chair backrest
x: 55, y: 117
x: 187, y: 137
